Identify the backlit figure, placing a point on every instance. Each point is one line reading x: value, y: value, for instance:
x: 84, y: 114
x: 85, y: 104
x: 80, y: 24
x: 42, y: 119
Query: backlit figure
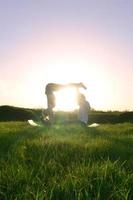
x: 49, y: 91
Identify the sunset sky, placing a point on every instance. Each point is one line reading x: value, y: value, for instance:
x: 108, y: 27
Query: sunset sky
x: 62, y: 41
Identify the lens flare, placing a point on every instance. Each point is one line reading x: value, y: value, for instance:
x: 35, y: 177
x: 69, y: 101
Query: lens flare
x: 66, y: 99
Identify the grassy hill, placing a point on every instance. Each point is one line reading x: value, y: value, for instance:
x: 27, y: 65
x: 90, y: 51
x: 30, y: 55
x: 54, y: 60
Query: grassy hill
x: 66, y: 162
x: 10, y: 113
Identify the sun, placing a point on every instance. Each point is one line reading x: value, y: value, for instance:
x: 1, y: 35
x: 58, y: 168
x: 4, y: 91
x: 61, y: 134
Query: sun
x: 66, y: 100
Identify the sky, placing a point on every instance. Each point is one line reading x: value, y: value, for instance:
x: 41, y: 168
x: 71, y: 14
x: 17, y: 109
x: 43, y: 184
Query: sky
x: 89, y: 41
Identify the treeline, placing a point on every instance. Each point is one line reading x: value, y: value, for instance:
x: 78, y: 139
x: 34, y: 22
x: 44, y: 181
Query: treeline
x: 10, y: 113
x: 110, y: 117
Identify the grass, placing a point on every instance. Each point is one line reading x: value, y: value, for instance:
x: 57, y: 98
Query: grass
x: 66, y: 162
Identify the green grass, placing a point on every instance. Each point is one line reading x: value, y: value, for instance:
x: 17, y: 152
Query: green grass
x: 66, y: 162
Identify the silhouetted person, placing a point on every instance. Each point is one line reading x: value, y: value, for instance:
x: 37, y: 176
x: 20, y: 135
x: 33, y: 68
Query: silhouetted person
x: 84, y: 108
x: 49, y: 91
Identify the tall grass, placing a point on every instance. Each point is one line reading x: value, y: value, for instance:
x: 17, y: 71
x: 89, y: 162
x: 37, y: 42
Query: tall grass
x: 66, y: 162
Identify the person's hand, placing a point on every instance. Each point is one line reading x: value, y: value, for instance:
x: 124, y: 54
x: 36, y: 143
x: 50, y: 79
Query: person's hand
x: 82, y: 85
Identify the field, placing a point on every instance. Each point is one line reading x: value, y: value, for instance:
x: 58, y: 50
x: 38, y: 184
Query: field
x: 66, y: 162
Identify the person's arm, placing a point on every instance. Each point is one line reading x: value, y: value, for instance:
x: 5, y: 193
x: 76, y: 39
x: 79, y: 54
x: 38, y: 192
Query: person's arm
x: 82, y: 85
x: 52, y: 87
x: 77, y: 85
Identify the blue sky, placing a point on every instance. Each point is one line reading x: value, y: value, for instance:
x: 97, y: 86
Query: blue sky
x: 62, y: 41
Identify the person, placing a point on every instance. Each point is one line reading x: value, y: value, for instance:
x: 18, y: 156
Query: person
x: 49, y: 91
x: 51, y: 101
x: 84, y: 108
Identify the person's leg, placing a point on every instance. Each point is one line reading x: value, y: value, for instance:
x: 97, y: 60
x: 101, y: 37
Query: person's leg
x: 51, y: 105
x: 51, y: 115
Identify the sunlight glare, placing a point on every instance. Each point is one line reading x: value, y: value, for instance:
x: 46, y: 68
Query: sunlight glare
x: 66, y: 99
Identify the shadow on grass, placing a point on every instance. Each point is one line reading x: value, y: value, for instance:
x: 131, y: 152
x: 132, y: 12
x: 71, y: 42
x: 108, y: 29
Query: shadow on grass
x: 64, y: 154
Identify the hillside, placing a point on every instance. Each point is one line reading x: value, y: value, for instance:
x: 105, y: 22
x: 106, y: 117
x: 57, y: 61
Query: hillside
x: 10, y: 113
